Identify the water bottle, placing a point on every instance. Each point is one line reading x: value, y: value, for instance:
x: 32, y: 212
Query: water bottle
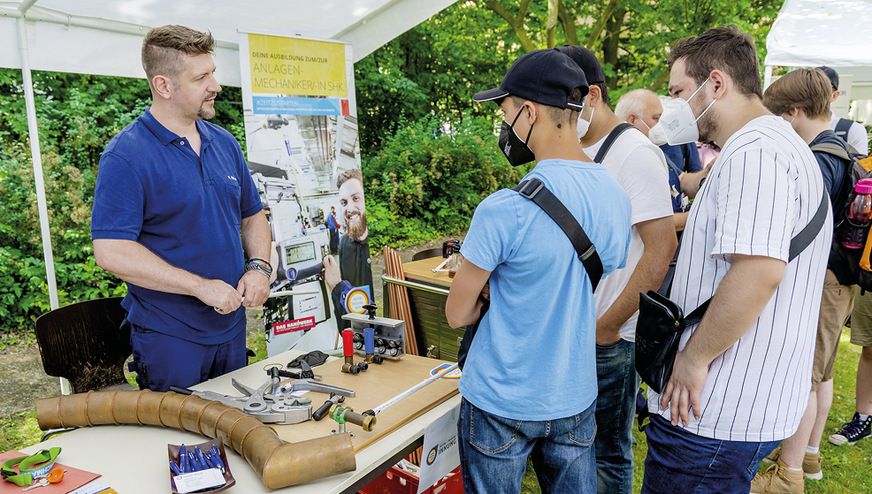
x: 859, y: 215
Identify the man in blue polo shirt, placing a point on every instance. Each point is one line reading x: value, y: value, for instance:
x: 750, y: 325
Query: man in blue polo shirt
x: 529, y: 382
x: 175, y: 212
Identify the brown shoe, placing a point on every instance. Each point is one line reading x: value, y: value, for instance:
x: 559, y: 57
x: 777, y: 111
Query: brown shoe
x: 811, y: 466
x: 773, y: 456
x: 778, y: 479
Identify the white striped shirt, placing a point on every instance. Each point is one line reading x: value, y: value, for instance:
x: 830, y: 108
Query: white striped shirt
x: 764, y: 188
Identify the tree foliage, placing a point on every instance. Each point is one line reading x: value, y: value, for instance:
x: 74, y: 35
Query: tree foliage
x: 429, y: 151
x: 436, y: 67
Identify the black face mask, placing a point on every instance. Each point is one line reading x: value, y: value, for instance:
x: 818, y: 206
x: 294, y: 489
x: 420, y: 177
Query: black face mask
x: 516, y: 150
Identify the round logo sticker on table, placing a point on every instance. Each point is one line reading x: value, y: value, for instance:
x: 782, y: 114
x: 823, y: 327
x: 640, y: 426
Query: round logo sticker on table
x: 355, y: 300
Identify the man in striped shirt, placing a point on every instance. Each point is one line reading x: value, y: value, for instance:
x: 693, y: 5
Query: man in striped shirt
x: 741, y: 378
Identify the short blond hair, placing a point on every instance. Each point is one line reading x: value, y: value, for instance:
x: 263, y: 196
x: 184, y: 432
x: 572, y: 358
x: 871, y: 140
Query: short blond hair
x: 806, y: 89
x: 164, y: 47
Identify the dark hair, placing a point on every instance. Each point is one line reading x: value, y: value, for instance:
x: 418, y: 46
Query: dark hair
x: 349, y: 174
x: 806, y: 89
x: 164, y: 47
x: 724, y: 48
x: 604, y: 91
x: 558, y: 115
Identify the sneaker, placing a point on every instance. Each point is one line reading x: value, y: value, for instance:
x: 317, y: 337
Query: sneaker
x: 853, y: 431
x: 773, y: 456
x: 778, y: 478
x: 811, y: 466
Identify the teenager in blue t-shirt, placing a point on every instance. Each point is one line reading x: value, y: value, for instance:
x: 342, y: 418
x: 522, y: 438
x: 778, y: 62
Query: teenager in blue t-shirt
x: 175, y: 212
x: 529, y: 383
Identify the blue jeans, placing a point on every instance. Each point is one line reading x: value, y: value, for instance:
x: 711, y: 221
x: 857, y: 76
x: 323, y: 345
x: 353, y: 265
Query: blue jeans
x: 679, y: 461
x: 494, y: 451
x: 615, y: 406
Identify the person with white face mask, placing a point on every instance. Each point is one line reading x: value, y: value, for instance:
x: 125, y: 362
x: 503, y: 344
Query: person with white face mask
x: 741, y: 377
x: 640, y: 168
x: 641, y: 108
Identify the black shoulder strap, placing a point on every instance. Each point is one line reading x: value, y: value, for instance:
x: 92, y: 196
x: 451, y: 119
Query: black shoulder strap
x: 842, y: 128
x: 797, y: 244
x: 536, y: 191
x: 610, y: 139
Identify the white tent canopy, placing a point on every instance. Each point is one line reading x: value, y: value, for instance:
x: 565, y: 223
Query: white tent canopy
x: 836, y: 33
x: 104, y: 37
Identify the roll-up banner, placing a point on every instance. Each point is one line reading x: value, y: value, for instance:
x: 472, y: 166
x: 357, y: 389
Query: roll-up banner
x: 304, y: 156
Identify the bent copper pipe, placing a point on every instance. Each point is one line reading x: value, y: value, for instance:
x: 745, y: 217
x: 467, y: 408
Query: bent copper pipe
x: 277, y: 463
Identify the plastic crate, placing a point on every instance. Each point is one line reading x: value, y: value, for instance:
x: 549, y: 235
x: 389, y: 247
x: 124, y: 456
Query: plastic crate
x: 397, y: 481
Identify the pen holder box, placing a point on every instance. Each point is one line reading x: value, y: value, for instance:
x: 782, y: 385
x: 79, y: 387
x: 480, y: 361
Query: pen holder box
x: 218, y: 442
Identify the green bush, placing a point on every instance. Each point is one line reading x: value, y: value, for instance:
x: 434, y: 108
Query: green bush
x: 428, y: 177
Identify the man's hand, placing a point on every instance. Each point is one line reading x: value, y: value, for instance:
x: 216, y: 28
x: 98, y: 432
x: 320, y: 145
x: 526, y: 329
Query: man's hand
x: 684, y: 388
x: 254, y: 287
x: 223, y: 297
x: 332, y: 276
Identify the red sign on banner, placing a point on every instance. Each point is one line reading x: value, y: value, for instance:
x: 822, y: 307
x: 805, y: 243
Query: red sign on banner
x: 346, y: 109
x: 294, y: 325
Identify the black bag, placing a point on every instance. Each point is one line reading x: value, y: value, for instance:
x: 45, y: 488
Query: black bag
x: 536, y: 191
x: 661, y: 321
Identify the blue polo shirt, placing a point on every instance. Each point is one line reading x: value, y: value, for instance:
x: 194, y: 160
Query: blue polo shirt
x: 153, y: 189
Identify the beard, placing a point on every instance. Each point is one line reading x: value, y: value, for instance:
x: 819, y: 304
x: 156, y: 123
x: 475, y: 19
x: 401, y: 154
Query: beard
x: 356, y: 229
x: 707, y: 125
x: 207, y: 113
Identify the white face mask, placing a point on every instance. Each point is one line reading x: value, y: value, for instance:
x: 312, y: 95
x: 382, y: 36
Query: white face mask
x: 583, y: 125
x: 678, y: 121
x: 655, y: 133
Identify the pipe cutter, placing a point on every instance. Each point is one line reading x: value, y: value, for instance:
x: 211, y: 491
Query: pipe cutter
x: 272, y: 402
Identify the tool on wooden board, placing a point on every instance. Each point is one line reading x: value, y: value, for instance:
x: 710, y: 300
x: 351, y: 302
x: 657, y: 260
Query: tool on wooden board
x: 367, y: 419
x: 325, y: 408
x: 305, y: 372
x: 349, y: 367
x: 369, y: 337
x: 272, y: 402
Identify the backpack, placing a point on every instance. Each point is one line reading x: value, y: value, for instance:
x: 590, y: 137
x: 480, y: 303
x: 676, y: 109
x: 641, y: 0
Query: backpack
x: 842, y: 128
x: 851, y: 266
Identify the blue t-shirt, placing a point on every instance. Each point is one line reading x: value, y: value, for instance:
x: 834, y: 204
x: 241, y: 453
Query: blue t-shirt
x: 833, y: 169
x: 680, y: 201
x: 685, y: 156
x: 153, y: 189
x: 533, y: 356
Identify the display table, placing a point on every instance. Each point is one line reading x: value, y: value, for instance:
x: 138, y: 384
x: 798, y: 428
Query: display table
x: 428, y: 292
x: 133, y: 459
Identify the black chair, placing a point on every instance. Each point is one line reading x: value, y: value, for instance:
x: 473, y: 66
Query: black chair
x: 427, y: 253
x: 85, y: 343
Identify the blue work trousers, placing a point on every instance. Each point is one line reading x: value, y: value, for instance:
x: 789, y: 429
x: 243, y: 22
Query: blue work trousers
x: 165, y: 360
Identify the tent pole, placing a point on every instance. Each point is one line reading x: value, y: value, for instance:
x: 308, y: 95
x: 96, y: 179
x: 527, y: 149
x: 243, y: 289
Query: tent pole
x: 33, y: 132
x: 767, y: 77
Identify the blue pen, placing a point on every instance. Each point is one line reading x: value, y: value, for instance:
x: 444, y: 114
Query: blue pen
x: 195, y: 464
x: 208, y: 456
x: 183, y: 460
x: 175, y: 468
x: 216, y: 457
x: 201, y: 458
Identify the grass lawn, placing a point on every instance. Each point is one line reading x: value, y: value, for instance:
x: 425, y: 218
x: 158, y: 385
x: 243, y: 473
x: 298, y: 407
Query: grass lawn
x: 846, y: 469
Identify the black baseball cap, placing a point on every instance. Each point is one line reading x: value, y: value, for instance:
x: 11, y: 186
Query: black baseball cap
x: 832, y: 75
x: 588, y: 62
x: 544, y: 76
